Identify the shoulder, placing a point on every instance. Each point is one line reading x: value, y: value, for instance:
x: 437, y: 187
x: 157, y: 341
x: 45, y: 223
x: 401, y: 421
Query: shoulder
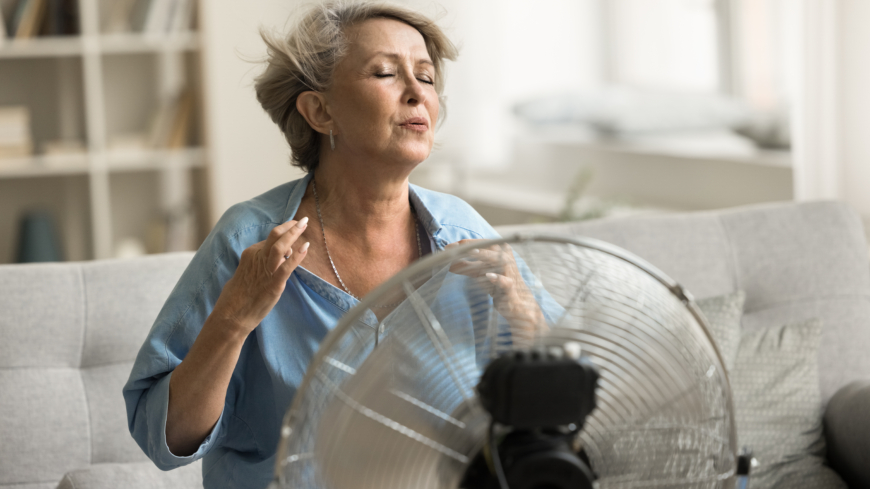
x: 249, y: 222
x: 269, y: 208
x: 243, y: 225
x: 450, y: 218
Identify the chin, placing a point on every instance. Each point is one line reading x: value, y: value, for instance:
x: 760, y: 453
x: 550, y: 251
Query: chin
x: 413, y: 156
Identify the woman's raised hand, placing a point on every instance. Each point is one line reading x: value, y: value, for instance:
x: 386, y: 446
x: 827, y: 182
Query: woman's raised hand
x: 259, y: 280
x: 496, y: 269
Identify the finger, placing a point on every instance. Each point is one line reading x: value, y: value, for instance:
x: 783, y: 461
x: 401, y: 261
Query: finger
x: 501, y: 282
x: 465, y: 267
x: 484, y: 255
x: 279, y: 230
x: 471, y: 268
x: 282, y: 248
x: 285, y: 269
x: 461, y: 242
x: 489, y: 256
x: 475, y: 268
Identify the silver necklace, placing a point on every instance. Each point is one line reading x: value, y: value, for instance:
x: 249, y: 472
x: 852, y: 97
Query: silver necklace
x: 323, y: 234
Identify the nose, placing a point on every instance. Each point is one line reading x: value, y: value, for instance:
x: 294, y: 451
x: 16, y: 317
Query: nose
x: 414, y: 93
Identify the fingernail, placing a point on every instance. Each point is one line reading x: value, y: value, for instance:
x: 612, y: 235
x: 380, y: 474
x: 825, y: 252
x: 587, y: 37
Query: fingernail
x: 302, y: 223
x: 305, y: 246
x: 475, y: 251
x: 493, y: 277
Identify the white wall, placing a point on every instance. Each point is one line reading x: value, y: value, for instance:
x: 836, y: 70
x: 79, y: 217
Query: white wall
x: 248, y: 154
x: 855, y: 105
x: 832, y: 145
x: 551, y: 48
x: 509, y: 50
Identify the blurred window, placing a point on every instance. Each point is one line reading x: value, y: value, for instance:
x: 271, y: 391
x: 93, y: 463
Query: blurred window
x: 745, y: 48
x: 662, y: 44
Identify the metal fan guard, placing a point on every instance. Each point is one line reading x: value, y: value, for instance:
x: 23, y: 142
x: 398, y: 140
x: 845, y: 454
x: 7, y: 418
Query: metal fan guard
x: 393, y: 405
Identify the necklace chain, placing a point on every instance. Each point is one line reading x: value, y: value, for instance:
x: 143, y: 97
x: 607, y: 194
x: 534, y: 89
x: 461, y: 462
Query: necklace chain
x: 323, y: 234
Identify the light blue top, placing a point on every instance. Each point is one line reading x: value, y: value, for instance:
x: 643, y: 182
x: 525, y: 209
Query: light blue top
x: 240, y: 450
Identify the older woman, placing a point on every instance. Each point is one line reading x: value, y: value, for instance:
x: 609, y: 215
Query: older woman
x: 356, y: 90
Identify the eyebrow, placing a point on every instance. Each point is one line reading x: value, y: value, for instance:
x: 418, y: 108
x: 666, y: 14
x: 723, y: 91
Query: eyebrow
x: 424, y: 61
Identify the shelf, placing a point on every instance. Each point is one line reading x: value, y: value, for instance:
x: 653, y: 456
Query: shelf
x: 57, y: 47
x: 145, y: 43
x: 41, y: 47
x: 122, y: 161
x: 769, y: 158
x: 97, y: 88
x: 44, y: 166
x: 718, y: 145
x: 117, y: 161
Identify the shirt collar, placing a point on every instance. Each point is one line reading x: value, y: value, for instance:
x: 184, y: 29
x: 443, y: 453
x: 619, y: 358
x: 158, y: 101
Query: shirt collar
x: 430, y: 223
x: 339, y: 297
x: 295, y: 197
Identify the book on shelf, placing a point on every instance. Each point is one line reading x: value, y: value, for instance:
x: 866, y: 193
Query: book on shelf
x: 117, y: 17
x: 181, y: 123
x: 148, y: 16
x: 138, y: 15
x: 3, y: 34
x: 61, y: 18
x: 64, y: 147
x: 171, y: 122
x: 29, y: 18
x: 15, y: 137
x: 13, y: 10
x: 168, y: 16
x: 181, y: 16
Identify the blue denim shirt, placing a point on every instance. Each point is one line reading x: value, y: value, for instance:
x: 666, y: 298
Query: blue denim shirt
x: 240, y: 450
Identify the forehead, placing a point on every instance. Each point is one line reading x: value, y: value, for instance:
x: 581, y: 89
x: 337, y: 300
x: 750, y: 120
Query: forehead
x: 385, y: 35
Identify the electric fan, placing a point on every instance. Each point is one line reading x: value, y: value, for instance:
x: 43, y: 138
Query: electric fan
x: 527, y: 362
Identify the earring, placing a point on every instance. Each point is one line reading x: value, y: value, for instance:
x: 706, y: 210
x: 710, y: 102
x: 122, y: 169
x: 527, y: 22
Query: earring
x: 331, y: 140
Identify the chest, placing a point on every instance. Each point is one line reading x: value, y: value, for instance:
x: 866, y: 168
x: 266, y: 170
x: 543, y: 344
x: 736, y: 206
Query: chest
x: 356, y: 268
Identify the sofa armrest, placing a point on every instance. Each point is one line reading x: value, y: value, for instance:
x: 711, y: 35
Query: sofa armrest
x: 133, y: 476
x: 847, y: 433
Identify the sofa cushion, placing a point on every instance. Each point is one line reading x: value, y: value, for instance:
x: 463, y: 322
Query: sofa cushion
x: 110, y: 441
x: 778, y: 407
x: 42, y: 323
x: 723, y: 315
x: 794, y: 261
x: 44, y: 424
x: 123, y: 298
x: 70, y: 332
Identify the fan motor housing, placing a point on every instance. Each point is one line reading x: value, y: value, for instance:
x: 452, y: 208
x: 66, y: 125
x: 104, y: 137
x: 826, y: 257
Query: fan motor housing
x: 538, y: 389
x: 535, y: 460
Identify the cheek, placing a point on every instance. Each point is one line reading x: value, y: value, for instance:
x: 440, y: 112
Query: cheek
x: 366, y: 104
x: 435, y: 111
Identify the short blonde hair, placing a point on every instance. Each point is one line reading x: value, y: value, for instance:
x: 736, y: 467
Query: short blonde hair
x: 306, y: 58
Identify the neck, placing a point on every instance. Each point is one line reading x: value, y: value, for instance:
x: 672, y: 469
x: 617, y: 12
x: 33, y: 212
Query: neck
x: 362, y: 203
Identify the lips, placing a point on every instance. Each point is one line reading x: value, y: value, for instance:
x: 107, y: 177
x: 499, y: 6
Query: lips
x: 416, y: 124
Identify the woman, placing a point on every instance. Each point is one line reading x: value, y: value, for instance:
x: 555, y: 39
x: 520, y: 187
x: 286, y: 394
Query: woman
x: 356, y: 89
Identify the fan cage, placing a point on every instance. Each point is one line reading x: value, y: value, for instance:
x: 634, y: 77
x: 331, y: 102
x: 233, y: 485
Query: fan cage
x: 390, y: 402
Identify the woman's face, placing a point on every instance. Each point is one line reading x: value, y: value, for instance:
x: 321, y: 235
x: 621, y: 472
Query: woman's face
x: 383, y: 100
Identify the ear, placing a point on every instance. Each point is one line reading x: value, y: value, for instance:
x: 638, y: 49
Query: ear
x: 312, y: 106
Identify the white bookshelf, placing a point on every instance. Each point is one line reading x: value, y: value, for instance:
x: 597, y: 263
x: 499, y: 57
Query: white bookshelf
x: 97, y: 88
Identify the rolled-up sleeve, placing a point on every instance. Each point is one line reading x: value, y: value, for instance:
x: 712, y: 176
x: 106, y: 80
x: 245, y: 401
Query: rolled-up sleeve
x: 146, y: 393
x: 156, y: 407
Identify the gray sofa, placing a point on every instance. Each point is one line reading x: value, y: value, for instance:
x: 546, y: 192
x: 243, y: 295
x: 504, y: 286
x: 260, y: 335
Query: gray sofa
x: 69, y: 332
